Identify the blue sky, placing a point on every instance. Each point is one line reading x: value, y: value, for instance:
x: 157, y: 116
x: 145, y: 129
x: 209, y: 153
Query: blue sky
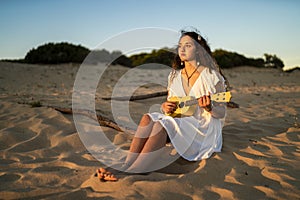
x: 251, y: 27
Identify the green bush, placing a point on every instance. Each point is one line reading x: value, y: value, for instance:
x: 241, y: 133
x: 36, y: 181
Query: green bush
x: 52, y: 53
x: 273, y: 61
x: 162, y: 56
x: 228, y: 59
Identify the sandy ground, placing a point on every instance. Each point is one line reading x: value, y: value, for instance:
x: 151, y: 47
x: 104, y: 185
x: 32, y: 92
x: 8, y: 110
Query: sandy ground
x: 43, y: 157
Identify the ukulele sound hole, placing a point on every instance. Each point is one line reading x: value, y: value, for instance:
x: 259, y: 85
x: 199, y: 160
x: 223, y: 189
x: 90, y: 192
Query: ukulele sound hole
x: 181, y: 105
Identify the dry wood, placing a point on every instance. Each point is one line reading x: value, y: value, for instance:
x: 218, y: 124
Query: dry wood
x: 137, y: 97
x: 103, y: 121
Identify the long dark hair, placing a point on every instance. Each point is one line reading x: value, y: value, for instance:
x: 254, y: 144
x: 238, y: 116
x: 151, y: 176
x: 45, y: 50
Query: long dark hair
x: 204, y: 58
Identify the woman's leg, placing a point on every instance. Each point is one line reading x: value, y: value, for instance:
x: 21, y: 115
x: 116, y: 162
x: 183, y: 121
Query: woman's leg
x: 141, y: 136
x: 149, y: 137
x: 151, y: 150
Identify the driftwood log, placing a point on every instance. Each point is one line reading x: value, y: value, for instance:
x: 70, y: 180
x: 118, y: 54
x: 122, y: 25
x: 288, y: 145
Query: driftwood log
x: 103, y: 121
x: 137, y: 97
x: 232, y: 104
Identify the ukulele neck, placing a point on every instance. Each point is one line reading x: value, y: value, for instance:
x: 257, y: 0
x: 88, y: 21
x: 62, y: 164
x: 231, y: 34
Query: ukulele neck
x: 218, y: 97
x: 191, y: 102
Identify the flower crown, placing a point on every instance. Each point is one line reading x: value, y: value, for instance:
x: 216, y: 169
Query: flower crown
x: 199, y: 38
x: 192, y: 29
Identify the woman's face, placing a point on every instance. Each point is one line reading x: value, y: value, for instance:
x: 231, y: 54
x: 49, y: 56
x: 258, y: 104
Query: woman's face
x: 187, y: 49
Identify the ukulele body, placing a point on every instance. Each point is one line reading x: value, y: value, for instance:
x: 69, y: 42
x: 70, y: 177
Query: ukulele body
x: 182, y: 110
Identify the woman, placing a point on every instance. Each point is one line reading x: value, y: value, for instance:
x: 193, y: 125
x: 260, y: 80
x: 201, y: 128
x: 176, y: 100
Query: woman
x: 195, y: 73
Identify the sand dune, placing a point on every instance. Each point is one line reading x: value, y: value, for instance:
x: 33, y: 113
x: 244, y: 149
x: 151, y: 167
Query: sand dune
x: 42, y: 156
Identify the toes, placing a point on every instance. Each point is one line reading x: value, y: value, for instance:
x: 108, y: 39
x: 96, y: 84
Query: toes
x: 105, y: 175
x: 110, y: 177
x: 101, y: 171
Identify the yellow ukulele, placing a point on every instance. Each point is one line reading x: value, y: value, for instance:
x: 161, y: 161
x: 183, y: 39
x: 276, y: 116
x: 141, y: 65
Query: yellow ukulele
x: 187, y: 105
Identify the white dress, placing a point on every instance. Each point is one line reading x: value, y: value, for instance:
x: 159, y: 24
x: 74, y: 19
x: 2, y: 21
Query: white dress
x: 195, y: 137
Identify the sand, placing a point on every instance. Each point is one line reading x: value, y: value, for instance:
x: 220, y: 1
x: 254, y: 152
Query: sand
x: 42, y: 156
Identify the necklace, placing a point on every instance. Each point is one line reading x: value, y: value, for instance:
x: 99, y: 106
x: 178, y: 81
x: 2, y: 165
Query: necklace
x: 190, y: 76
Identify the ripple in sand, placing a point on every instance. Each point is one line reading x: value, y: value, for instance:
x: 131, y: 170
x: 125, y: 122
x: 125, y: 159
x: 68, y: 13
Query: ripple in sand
x: 47, y: 169
x: 13, y: 136
x: 5, y: 178
x: 4, y: 162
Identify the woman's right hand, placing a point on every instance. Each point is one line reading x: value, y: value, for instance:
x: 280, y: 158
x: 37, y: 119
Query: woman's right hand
x: 169, y: 107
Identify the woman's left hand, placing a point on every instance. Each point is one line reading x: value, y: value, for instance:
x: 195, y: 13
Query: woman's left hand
x: 204, y: 102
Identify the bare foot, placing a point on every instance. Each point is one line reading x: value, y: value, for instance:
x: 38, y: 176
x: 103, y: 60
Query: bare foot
x: 105, y: 175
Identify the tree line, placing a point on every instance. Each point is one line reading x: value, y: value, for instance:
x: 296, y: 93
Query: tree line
x: 55, y: 53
